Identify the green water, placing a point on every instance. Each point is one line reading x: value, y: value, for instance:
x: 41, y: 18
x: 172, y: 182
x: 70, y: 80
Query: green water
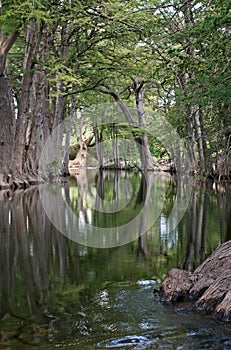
x: 56, y: 293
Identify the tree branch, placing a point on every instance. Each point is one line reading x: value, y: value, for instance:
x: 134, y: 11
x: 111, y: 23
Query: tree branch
x: 9, y: 42
x: 106, y: 89
x: 5, y: 46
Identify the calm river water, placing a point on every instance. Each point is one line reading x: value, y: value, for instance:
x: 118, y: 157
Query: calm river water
x: 91, y: 285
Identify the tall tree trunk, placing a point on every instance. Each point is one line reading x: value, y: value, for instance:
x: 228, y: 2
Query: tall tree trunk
x: 32, y: 43
x: 200, y: 143
x: 98, y: 133
x: 191, y: 139
x: 146, y: 158
x: 7, y: 118
x: 56, y: 155
x: 7, y: 111
x: 181, y: 78
x: 36, y: 127
x: 115, y: 146
x: 208, y: 164
x: 65, y: 168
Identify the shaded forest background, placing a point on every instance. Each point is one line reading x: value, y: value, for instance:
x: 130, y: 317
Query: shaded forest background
x: 57, y: 57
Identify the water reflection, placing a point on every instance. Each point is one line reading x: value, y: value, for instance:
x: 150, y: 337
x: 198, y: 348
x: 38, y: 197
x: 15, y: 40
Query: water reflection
x: 205, y: 218
x: 25, y: 251
x: 106, y: 218
x: 54, y: 291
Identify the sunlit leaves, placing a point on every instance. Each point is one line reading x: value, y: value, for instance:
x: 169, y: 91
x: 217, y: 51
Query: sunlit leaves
x: 19, y: 12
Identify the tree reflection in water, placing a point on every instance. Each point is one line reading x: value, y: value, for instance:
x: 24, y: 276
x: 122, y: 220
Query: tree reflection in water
x: 30, y: 246
x: 116, y: 204
x: 38, y: 264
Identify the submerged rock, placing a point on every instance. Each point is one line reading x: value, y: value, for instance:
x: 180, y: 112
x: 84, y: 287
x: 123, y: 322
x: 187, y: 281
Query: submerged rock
x: 208, y: 287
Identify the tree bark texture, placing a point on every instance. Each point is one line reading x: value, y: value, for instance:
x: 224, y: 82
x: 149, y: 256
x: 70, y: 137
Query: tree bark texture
x: 208, y: 287
x: 31, y: 49
x: 36, y: 126
x: 115, y: 143
x: 99, y: 146
x: 147, y: 161
x: 5, y: 46
x: 7, y: 118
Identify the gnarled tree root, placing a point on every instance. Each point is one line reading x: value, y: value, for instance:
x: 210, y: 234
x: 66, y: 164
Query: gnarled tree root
x: 208, y: 287
x: 17, y: 182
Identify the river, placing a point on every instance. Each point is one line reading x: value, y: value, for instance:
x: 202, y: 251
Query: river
x: 79, y: 262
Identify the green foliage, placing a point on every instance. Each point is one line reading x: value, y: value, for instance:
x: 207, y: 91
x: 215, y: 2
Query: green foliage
x: 181, y: 51
x: 16, y: 13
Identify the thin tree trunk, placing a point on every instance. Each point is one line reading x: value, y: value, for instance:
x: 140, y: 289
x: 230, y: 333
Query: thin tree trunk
x: 115, y: 147
x: 146, y: 158
x: 65, y: 169
x: 191, y: 139
x: 58, y: 126
x: 99, y: 145
x: 200, y: 142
